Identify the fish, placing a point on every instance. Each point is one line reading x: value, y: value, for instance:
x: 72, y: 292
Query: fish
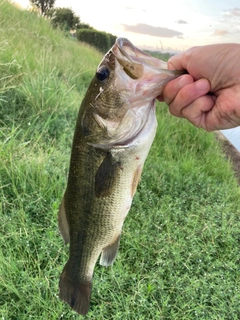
x: 115, y: 128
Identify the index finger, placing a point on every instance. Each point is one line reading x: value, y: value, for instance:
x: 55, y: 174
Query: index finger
x: 173, y: 87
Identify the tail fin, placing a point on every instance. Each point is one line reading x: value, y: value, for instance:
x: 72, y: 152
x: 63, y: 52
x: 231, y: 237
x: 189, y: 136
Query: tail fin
x: 76, y: 294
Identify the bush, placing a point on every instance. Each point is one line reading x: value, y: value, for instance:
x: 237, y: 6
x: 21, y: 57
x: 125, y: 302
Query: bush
x: 101, y: 40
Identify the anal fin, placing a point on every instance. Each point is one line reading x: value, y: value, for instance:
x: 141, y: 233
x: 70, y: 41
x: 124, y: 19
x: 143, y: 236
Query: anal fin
x: 62, y: 222
x: 109, y: 253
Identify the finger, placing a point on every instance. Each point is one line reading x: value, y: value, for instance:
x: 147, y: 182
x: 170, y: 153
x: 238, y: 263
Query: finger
x: 177, y: 62
x: 226, y: 112
x: 187, y: 95
x: 160, y: 98
x: 172, y: 87
x: 181, y: 61
x: 197, y: 111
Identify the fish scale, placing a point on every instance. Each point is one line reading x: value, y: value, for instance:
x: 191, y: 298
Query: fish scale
x: 115, y: 128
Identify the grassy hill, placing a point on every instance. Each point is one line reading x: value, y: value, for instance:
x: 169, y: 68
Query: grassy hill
x: 179, y: 254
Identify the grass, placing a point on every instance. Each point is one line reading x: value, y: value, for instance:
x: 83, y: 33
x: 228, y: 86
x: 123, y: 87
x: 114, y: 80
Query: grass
x: 179, y: 254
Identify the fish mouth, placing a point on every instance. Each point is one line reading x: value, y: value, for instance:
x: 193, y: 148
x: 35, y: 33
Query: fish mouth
x: 134, y: 60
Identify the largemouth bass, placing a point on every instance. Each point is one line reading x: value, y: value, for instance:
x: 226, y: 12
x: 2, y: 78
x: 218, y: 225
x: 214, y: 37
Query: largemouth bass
x: 115, y: 128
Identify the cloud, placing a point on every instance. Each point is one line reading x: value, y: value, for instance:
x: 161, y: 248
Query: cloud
x: 231, y: 20
x: 151, y: 30
x: 219, y: 33
x: 231, y: 15
x: 235, y: 12
x: 180, y: 21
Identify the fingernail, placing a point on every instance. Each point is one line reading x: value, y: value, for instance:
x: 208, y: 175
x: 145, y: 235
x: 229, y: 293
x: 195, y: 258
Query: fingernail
x: 170, y: 65
x: 203, y: 85
x: 184, y: 80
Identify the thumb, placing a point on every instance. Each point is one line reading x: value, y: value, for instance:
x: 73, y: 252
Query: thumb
x: 176, y: 62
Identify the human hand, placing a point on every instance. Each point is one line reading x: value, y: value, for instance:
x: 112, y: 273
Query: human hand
x: 209, y: 96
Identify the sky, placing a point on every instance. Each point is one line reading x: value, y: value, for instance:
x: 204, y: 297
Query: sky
x: 169, y: 25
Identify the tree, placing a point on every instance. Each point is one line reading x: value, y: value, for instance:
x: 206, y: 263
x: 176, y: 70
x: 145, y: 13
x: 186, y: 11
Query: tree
x: 64, y: 18
x: 43, y: 5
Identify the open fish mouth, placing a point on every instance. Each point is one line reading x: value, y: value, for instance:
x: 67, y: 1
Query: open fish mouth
x: 135, y: 60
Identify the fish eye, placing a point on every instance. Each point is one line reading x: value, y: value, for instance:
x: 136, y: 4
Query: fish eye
x: 102, y: 73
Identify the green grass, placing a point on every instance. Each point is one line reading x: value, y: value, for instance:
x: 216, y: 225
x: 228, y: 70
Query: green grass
x: 179, y: 255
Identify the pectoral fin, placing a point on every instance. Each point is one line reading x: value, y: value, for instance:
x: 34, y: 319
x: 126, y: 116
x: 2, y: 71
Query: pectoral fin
x: 106, y: 176
x: 62, y: 222
x: 109, y: 253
